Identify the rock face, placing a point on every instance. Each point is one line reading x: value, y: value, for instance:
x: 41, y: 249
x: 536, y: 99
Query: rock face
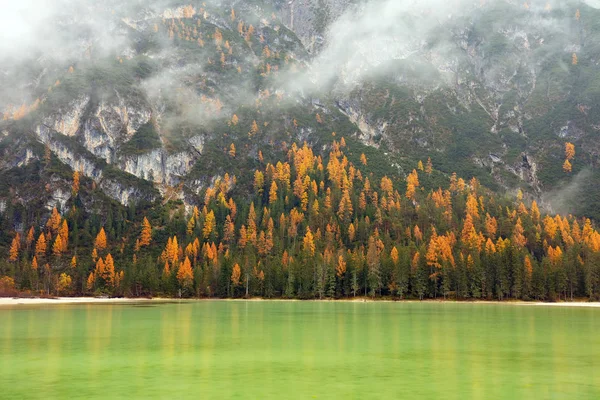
x: 309, y: 18
x: 492, y: 100
x: 158, y: 166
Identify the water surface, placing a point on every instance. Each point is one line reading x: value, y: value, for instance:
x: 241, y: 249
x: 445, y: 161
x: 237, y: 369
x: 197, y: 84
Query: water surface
x: 299, y: 350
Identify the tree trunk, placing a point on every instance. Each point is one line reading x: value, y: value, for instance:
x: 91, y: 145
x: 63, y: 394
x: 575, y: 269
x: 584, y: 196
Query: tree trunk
x: 247, y: 282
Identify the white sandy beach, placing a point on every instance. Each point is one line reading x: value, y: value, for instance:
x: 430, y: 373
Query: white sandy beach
x: 9, y: 301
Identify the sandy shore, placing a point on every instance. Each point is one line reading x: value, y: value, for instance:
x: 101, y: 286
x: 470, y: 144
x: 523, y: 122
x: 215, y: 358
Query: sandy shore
x: 8, y: 301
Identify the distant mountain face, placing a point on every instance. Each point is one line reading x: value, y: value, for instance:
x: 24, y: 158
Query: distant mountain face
x: 145, y: 99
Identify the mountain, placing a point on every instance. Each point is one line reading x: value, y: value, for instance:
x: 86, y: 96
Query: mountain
x: 139, y: 97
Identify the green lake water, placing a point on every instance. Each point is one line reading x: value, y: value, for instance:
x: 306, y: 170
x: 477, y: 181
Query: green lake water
x: 299, y: 350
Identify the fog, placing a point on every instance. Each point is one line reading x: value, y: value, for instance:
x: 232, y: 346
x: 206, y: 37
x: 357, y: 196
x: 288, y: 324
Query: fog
x: 365, y: 41
x: 361, y: 43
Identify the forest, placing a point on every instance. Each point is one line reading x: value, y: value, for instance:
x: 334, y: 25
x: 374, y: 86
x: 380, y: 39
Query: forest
x: 315, y: 227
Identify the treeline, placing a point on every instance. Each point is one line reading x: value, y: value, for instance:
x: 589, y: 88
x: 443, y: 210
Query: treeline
x: 314, y: 228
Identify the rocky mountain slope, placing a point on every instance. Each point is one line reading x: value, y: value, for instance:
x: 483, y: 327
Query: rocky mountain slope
x: 145, y: 100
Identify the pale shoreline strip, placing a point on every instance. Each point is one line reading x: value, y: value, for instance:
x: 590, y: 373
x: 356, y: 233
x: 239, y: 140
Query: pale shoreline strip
x: 8, y: 301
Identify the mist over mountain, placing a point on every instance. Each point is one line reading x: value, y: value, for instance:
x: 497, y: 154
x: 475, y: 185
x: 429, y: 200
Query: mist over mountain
x: 140, y: 96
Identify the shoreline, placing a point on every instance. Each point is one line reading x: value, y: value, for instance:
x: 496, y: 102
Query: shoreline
x: 14, y: 301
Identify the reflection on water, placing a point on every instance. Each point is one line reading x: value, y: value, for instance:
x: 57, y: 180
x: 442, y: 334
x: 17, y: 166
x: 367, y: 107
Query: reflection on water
x: 294, y: 350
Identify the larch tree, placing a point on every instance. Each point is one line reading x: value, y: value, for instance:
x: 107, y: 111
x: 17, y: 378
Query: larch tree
x: 209, y: 224
x: 14, y: 249
x: 53, y: 223
x: 64, y: 235
x: 518, y: 237
x: 273, y: 192
x: 309, y: 243
x: 363, y: 159
x: 412, y: 182
x: 253, y: 129
x: 259, y: 182
x: 100, y: 242
x: 429, y: 166
x: 30, y: 237
x: 146, y: 233
x: 57, y: 248
x: 108, y: 274
x: 232, y: 150
x: 236, y: 275
x: 41, y: 246
x: 569, y: 151
x: 340, y: 268
x: 185, y: 276
x: 75, y: 185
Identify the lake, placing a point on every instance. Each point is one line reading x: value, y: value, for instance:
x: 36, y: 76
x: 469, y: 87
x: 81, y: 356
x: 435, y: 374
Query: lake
x: 299, y: 350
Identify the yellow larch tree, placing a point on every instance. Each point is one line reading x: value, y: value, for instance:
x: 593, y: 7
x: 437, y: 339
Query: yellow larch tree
x: 209, y: 224
x: 309, y: 243
x: 236, y: 274
x: 518, y: 237
x: 340, y: 268
x: 412, y: 182
x: 253, y: 129
x: 146, y: 233
x: 363, y: 159
x: 53, y: 223
x: 429, y: 166
x: 41, y: 246
x: 91, y: 281
x: 30, y: 237
x: 185, y: 276
x: 64, y: 235
x: 57, y: 248
x: 273, y: 192
x: 13, y: 253
x: 75, y: 185
x: 100, y: 242
x: 108, y: 274
x: 569, y: 151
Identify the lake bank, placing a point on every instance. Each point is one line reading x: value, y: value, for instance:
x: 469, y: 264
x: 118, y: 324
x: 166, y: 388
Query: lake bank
x: 10, y: 301
x: 13, y: 301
